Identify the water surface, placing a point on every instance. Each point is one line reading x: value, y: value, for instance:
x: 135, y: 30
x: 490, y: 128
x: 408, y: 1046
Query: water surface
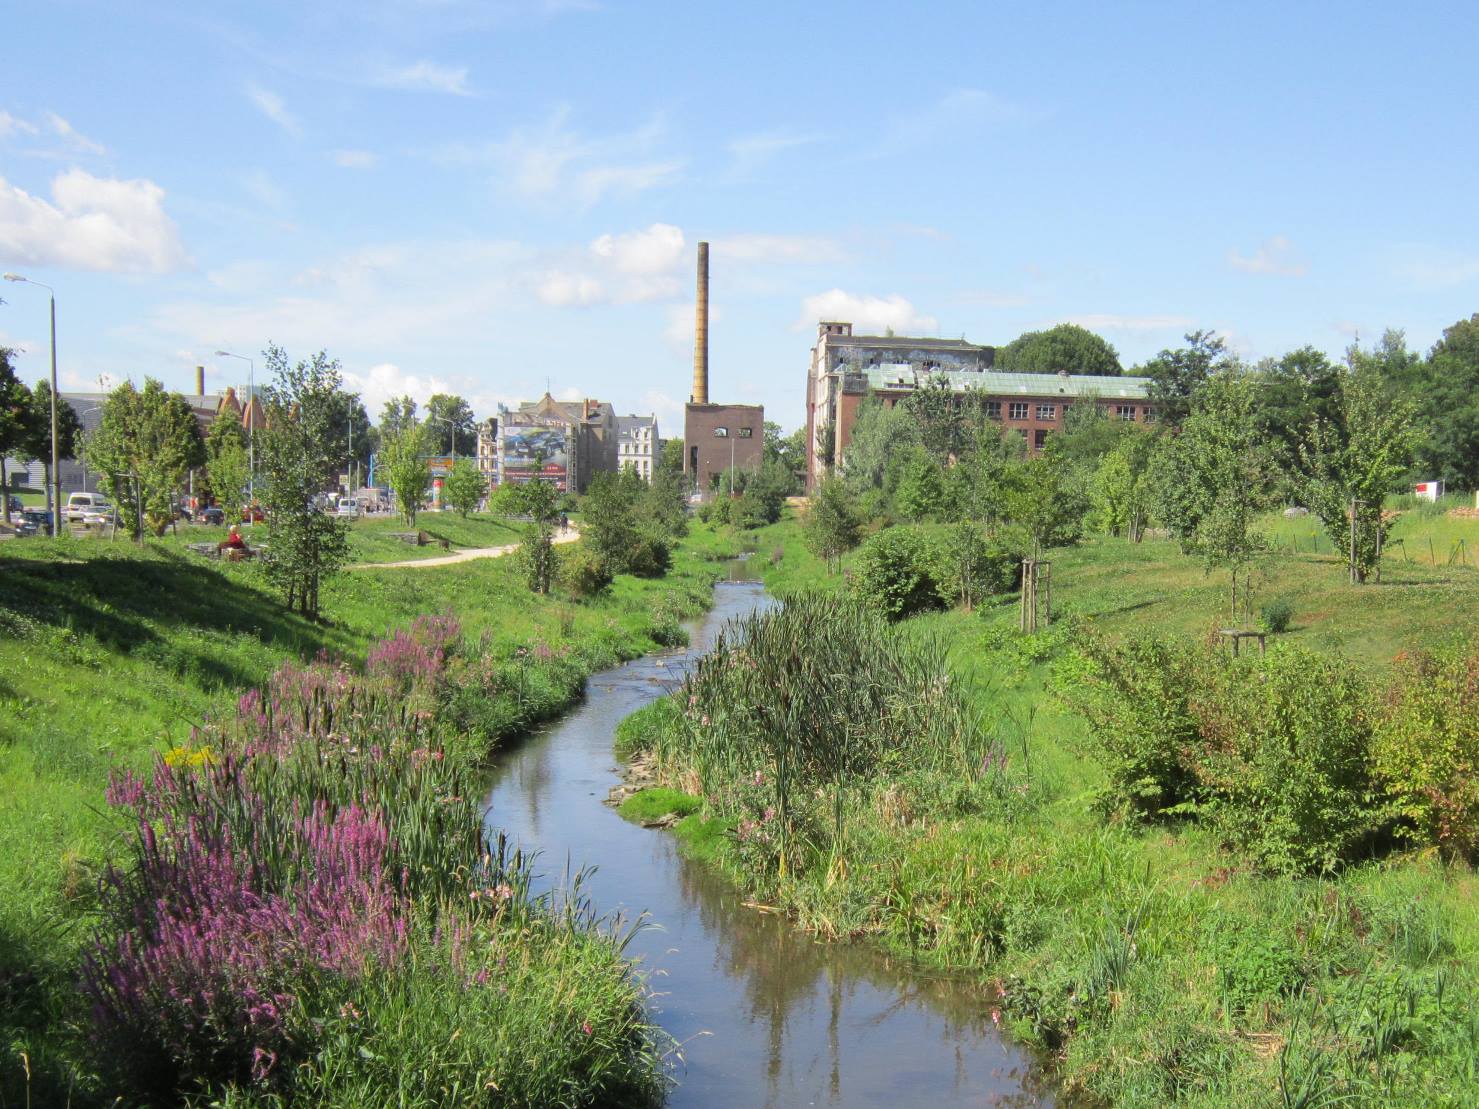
x: 765, y: 1015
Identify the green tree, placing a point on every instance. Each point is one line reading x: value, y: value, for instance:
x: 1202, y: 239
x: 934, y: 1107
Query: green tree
x: 403, y: 464
x: 1296, y: 391
x: 453, y: 428
x: 396, y: 415
x: 1121, y: 489
x: 1448, y: 394
x: 15, y: 421
x: 833, y: 523
x: 1044, y: 503
x: 787, y: 451
x: 922, y: 492
x: 465, y: 487
x: 226, y: 463
x: 1213, y: 478
x: 881, y: 433
x: 37, y: 445
x: 146, y: 443
x: 1065, y: 347
x: 1353, y: 461
x: 540, y: 500
x: 299, y: 459
x: 1176, y: 375
x: 354, y: 437
x: 670, y: 457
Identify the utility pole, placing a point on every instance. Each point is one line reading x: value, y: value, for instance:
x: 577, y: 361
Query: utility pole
x: 54, y: 487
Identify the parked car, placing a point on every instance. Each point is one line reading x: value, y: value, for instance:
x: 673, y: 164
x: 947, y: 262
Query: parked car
x: 80, y: 504
x: 349, y: 507
x: 212, y: 514
x: 34, y: 521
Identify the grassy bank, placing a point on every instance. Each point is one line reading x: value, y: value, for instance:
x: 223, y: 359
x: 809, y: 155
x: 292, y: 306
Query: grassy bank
x: 111, y: 653
x: 1157, y: 962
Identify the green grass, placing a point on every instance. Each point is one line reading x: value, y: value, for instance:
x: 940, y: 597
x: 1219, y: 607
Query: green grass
x: 110, y: 652
x: 656, y: 802
x: 1154, y: 963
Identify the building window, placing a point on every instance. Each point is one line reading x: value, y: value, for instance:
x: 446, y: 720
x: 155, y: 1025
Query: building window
x: 993, y: 409
x: 1018, y: 410
x: 1149, y: 415
x: 1125, y: 411
x: 721, y: 433
x: 1040, y: 438
x: 747, y: 433
x: 1047, y: 411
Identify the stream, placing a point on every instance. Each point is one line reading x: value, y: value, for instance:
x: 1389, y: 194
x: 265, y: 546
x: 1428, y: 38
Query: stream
x: 764, y: 1014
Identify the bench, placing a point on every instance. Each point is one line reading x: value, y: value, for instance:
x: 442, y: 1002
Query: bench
x: 1235, y: 636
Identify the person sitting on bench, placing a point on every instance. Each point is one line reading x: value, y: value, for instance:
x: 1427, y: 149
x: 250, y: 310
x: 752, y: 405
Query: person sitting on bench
x: 234, y: 547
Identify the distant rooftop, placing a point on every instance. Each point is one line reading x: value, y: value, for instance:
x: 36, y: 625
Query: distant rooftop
x: 1002, y: 383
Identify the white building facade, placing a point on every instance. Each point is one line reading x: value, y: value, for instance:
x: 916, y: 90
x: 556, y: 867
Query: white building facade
x: 637, y: 444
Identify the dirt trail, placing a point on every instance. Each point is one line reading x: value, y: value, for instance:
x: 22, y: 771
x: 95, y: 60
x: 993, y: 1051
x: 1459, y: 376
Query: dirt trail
x: 562, y: 535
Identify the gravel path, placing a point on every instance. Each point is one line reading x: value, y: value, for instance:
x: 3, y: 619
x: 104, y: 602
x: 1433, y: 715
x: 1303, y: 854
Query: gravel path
x: 562, y: 535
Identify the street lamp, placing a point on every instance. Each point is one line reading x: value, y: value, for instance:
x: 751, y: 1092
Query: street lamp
x: 251, y: 423
x: 54, y: 491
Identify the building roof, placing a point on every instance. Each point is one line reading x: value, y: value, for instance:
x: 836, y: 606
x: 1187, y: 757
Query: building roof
x: 901, y: 342
x: 625, y: 425
x: 572, y: 411
x: 1004, y: 383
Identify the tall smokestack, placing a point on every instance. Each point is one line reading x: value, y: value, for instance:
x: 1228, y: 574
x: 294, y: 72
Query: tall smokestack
x: 701, y: 330
x: 200, y: 381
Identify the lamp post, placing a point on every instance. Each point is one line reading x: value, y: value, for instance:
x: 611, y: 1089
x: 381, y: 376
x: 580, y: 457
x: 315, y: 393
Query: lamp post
x: 251, y: 425
x: 54, y: 490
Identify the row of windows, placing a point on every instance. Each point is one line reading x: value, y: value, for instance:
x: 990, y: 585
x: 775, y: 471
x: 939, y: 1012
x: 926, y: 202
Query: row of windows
x: 744, y: 433
x: 1018, y: 409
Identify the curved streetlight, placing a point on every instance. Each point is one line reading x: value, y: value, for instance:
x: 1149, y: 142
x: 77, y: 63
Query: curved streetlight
x: 54, y: 491
x: 251, y: 423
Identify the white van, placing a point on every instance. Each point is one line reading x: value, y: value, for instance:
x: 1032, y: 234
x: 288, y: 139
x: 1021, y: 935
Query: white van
x: 79, y: 505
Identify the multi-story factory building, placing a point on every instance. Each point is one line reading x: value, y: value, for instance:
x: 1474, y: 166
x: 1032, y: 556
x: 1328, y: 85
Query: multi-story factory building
x: 846, y: 369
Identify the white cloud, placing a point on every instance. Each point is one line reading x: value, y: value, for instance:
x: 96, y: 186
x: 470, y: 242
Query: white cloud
x: 669, y: 413
x: 1108, y: 321
x: 12, y: 125
x: 72, y: 137
x: 869, y: 315
x: 384, y: 380
x: 658, y: 249
x: 569, y: 290
x: 1273, y: 256
x: 553, y: 164
x: 427, y: 76
x: 91, y: 223
x: 355, y: 159
x: 271, y: 105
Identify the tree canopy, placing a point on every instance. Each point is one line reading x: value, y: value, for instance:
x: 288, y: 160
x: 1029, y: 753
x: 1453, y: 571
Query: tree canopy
x: 1064, y: 347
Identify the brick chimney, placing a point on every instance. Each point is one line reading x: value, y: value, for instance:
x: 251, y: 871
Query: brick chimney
x: 200, y: 381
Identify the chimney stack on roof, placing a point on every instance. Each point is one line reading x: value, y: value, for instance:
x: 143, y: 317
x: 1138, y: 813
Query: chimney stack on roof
x: 200, y: 381
x: 701, y: 330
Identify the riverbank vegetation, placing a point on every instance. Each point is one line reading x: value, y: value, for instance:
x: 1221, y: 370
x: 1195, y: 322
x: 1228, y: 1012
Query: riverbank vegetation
x: 117, y: 656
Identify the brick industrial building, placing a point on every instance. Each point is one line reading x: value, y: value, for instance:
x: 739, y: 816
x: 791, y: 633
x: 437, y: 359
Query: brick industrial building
x: 566, y: 442
x: 846, y: 369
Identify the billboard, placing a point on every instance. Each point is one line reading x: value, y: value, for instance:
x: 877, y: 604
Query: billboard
x: 526, y: 453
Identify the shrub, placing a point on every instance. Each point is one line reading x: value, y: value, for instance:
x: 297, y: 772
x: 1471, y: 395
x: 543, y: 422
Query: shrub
x: 1277, y: 615
x: 649, y: 556
x: 969, y: 567
x: 897, y: 572
x: 583, y: 571
x: 1427, y: 747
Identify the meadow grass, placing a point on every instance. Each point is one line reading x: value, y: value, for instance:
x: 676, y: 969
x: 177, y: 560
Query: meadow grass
x: 1156, y: 964
x: 111, y: 652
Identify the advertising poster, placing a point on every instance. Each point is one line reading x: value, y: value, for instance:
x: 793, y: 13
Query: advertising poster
x: 535, y: 452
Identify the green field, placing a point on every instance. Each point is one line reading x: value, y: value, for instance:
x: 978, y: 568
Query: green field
x: 110, y: 652
x: 1153, y: 962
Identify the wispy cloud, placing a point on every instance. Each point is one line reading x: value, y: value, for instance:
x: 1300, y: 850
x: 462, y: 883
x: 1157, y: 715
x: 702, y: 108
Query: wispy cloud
x: 551, y: 163
x: 427, y: 76
x: 272, y: 106
x: 954, y: 118
x: 72, y: 137
x: 48, y: 136
x: 355, y: 159
x: 1274, y: 256
x: 90, y: 223
x: 749, y: 153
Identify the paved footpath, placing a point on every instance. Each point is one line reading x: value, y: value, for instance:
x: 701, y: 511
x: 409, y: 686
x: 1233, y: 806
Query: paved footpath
x: 562, y: 535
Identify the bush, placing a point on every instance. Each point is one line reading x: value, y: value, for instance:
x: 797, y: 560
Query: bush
x: 583, y: 572
x: 1277, y: 615
x: 897, y: 572
x: 1427, y: 747
x: 649, y: 556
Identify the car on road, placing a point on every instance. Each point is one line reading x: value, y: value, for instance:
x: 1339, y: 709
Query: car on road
x: 34, y: 521
x: 16, y: 504
x: 79, y: 505
x: 212, y: 514
x: 348, y: 507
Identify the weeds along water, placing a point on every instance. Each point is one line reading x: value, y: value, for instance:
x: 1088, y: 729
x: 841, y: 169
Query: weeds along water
x: 311, y: 912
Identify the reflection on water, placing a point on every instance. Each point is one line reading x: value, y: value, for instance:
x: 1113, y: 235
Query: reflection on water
x: 766, y: 1015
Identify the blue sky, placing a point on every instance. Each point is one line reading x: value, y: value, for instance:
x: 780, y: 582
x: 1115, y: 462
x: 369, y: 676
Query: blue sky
x: 482, y: 197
